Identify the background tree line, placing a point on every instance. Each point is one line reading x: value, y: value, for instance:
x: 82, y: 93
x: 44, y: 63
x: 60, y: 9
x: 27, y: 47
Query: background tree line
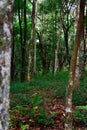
x: 43, y: 37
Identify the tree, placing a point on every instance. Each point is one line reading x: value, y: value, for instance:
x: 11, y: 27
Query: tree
x: 42, y: 53
x: 67, y: 20
x: 53, y: 17
x: 21, y: 36
x: 56, y: 54
x: 80, y: 20
x: 82, y: 49
x: 32, y: 40
x: 13, y: 58
x: 80, y: 65
x: 5, y: 56
x: 22, y: 40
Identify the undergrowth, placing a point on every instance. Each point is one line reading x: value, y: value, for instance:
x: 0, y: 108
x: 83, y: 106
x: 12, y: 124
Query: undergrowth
x: 27, y: 99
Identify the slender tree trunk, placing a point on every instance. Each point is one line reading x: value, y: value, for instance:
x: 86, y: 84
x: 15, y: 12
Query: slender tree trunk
x: 80, y: 65
x: 80, y: 61
x: 77, y: 73
x: 66, y: 41
x: 32, y: 39
x: 61, y: 59
x: 42, y: 54
x: 35, y: 43
x: 13, y: 60
x: 82, y: 55
x: 23, y: 55
x: 56, y: 60
x: 56, y: 54
x: 68, y: 122
x: 66, y: 44
x: 21, y: 40
x: 55, y: 42
x: 20, y: 22
x: 34, y: 58
x: 5, y: 58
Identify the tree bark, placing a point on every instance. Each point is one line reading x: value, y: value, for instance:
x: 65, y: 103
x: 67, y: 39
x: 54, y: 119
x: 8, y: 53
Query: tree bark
x: 56, y: 53
x: 55, y: 42
x: 5, y: 58
x: 80, y: 20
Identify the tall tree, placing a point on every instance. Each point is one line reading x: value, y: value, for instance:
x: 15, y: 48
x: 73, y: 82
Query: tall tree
x: 67, y: 20
x: 56, y: 54
x: 32, y: 40
x: 80, y: 60
x: 42, y: 52
x: 23, y: 60
x: 5, y: 56
x: 22, y: 40
x: 80, y: 20
x: 82, y: 50
x: 80, y: 65
x: 13, y: 59
x: 34, y: 71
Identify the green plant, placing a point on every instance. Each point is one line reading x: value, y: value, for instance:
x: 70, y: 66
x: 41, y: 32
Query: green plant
x: 40, y: 116
x: 80, y: 117
x: 27, y: 99
x: 37, y: 111
x: 82, y: 107
x: 13, y: 120
x: 23, y: 127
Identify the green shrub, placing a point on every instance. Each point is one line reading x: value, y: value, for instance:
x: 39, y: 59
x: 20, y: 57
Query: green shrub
x: 80, y: 115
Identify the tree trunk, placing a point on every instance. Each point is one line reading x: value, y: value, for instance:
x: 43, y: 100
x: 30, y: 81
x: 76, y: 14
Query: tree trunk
x: 42, y: 53
x: 56, y: 53
x: 83, y: 48
x: 35, y: 44
x: 56, y: 60
x: 77, y: 73
x: 5, y: 58
x: 13, y: 60
x: 22, y: 40
x: 23, y: 54
x: 32, y: 40
x: 34, y: 58
x: 55, y: 42
x: 82, y: 54
x: 80, y: 65
x: 80, y: 61
x: 61, y: 59
x: 66, y: 44
x: 80, y: 20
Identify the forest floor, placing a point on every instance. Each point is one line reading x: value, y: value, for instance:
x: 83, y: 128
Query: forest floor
x: 39, y: 104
